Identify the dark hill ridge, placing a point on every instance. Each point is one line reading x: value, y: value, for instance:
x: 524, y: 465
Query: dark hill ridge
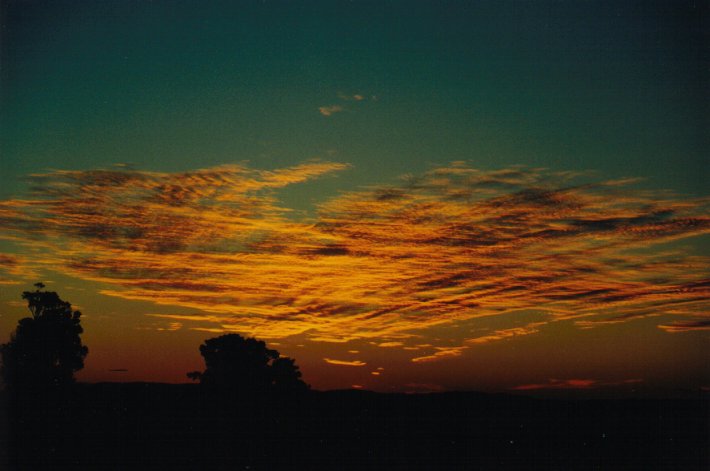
x: 185, y: 426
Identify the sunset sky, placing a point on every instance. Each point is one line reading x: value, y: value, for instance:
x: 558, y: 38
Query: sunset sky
x: 403, y: 196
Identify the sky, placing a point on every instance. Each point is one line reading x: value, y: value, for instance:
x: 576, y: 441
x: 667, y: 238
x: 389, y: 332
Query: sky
x: 403, y: 196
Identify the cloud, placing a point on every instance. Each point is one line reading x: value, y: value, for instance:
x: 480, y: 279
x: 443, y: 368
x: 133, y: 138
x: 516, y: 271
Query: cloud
x: 344, y: 362
x: 330, y: 110
x: 8, y: 261
x: 13, y: 266
x: 390, y: 344
x: 574, y: 384
x: 507, y: 333
x: 440, y: 354
x: 382, y: 264
x: 686, y: 326
x: 173, y: 326
x: 354, y: 97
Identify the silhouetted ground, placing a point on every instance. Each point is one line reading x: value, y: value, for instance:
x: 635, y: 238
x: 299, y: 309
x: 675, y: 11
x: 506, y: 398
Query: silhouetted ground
x: 160, y: 426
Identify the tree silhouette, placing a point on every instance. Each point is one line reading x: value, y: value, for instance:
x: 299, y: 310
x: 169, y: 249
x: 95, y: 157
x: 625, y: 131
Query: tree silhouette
x: 245, y: 365
x: 45, y: 350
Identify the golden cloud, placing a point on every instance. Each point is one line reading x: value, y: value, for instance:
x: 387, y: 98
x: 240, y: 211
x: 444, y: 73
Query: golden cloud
x: 531, y: 328
x: 440, y: 354
x: 686, y: 325
x: 384, y: 264
x: 344, y: 362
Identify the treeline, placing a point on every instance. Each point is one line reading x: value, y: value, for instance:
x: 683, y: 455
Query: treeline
x: 46, y: 350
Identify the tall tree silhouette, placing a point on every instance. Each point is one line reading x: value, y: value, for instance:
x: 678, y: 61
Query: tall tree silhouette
x: 45, y: 350
x: 245, y: 365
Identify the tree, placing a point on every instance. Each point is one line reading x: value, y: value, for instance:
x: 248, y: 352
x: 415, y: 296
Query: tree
x: 245, y: 365
x: 45, y: 350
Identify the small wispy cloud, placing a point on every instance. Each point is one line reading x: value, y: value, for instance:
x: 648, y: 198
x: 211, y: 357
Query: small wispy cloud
x: 344, y: 362
x: 531, y: 328
x: 390, y: 344
x: 686, y: 326
x: 171, y: 327
x: 330, y: 110
x: 441, y: 353
x: 353, y: 97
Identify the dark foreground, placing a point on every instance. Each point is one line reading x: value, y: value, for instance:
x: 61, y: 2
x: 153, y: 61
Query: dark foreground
x: 158, y: 426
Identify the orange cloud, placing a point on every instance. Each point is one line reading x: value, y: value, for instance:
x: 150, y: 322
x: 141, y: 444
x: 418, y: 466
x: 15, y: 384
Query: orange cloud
x: 344, y: 362
x: 330, y: 110
x: 686, y: 326
x: 506, y: 333
x: 390, y: 344
x: 173, y: 326
x: 441, y: 354
x: 383, y: 264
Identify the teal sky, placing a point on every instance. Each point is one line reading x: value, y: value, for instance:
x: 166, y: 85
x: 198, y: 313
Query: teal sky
x: 616, y: 87
x: 393, y: 288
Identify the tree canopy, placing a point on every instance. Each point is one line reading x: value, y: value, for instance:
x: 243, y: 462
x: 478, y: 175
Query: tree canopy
x: 245, y: 365
x: 45, y: 349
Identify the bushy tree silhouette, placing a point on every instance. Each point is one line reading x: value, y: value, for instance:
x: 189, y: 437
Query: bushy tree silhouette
x: 45, y: 350
x: 245, y: 365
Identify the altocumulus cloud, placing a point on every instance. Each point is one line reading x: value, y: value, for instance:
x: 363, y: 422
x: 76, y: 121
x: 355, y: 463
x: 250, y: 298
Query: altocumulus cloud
x: 383, y: 264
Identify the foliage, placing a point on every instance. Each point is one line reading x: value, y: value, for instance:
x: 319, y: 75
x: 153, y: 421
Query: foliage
x: 246, y: 365
x: 46, y: 349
